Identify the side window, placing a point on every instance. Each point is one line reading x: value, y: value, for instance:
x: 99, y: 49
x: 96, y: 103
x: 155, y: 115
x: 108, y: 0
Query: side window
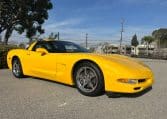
x: 58, y: 48
x: 41, y: 45
x: 71, y: 48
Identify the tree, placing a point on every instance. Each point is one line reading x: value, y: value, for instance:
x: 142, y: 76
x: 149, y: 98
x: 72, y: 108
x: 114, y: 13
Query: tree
x: 160, y: 36
x: 148, y: 40
x: 23, y: 16
x: 134, y: 42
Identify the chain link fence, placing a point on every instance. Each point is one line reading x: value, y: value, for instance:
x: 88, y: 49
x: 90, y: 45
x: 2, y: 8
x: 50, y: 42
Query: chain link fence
x: 160, y: 54
x: 127, y: 50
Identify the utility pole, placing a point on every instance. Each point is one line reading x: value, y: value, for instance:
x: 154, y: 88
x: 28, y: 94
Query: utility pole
x: 122, y: 30
x: 58, y: 37
x: 86, y: 40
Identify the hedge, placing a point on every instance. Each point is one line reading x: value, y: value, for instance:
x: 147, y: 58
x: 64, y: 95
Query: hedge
x: 3, y: 54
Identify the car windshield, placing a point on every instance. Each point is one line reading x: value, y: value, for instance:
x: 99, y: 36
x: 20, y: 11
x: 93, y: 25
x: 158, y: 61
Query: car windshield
x: 61, y: 47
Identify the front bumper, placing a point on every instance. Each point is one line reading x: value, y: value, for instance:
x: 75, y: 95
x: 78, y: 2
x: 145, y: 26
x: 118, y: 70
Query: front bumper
x: 119, y: 87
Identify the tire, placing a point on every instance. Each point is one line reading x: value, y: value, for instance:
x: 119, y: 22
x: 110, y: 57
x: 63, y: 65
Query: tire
x: 88, y: 79
x: 17, y: 68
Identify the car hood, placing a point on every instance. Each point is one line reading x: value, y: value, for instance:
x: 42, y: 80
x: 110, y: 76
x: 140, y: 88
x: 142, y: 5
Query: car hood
x: 125, y: 64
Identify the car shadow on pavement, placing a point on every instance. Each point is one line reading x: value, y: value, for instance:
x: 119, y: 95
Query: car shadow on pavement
x: 109, y: 94
x: 71, y: 86
x: 51, y: 81
x: 135, y: 95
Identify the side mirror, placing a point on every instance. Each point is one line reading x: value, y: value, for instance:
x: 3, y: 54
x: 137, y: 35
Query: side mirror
x: 42, y: 51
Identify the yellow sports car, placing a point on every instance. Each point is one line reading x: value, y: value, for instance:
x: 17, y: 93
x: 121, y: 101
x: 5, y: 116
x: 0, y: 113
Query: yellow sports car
x: 68, y: 63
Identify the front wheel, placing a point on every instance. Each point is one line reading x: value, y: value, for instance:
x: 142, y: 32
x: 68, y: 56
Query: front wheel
x: 17, y: 68
x: 89, y: 79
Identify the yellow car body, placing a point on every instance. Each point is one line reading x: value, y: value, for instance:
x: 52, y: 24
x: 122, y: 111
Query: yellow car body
x: 121, y: 74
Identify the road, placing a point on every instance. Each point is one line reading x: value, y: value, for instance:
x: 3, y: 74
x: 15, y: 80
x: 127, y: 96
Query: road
x: 31, y: 98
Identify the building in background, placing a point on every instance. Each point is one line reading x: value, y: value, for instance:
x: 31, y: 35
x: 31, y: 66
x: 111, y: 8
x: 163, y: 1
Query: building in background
x: 142, y: 50
x: 109, y: 48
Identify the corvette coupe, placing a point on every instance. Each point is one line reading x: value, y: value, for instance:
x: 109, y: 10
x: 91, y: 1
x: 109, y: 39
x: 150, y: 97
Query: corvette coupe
x: 71, y: 64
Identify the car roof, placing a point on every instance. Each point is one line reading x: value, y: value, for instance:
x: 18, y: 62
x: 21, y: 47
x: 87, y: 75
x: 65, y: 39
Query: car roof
x: 42, y: 41
x: 45, y: 40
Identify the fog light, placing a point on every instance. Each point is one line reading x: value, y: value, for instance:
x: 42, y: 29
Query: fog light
x: 130, y: 81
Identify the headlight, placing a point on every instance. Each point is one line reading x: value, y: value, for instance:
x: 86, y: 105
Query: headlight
x: 130, y: 81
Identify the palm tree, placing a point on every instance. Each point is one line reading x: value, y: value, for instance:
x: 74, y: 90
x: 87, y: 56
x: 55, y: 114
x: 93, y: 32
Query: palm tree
x: 148, y: 40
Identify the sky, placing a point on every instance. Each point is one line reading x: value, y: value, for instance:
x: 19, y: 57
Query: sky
x: 101, y: 19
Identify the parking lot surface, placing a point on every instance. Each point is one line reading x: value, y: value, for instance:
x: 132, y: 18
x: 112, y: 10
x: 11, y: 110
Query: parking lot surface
x: 32, y: 98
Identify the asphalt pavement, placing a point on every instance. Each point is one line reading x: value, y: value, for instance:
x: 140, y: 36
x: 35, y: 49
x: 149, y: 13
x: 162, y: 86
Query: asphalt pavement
x: 32, y: 98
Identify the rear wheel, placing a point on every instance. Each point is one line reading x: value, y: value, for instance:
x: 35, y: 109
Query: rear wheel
x: 89, y: 79
x: 17, y: 68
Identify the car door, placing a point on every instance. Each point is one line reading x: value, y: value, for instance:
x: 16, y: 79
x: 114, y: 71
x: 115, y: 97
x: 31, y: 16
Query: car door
x: 43, y: 66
